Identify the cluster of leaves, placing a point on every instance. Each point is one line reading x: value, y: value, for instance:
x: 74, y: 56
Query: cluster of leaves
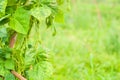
x: 24, y: 18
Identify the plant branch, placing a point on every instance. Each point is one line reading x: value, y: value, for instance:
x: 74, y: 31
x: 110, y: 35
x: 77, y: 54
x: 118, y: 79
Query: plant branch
x: 11, y: 44
x: 18, y: 75
x: 13, y: 40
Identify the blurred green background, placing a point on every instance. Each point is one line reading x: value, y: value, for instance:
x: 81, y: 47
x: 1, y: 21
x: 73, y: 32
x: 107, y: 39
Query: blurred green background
x: 87, y: 44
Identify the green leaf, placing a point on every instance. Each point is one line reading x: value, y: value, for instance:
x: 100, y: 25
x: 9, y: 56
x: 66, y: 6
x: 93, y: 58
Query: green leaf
x: 2, y: 69
x: 4, y: 17
x: 9, y: 76
x: 20, y: 21
x: 9, y: 64
x: 19, y: 41
x: 3, y: 4
x: 5, y: 53
x: 10, y: 9
x: 41, y: 13
x: 3, y: 32
x: 40, y: 71
x: 29, y: 57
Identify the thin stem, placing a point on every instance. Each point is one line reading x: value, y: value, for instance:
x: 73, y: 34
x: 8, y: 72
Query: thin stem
x: 98, y: 13
x: 18, y: 75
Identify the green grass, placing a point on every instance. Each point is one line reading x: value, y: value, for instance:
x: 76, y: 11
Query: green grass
x: 82, y: 50
x: 77, y: 57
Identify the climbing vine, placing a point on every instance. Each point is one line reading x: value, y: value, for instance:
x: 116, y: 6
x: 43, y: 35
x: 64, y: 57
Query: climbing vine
x: 21, y: 53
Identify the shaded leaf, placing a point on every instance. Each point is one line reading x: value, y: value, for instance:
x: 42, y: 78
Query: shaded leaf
x: 12, y: 2
x: 4, y: 17
x: 5, y: 53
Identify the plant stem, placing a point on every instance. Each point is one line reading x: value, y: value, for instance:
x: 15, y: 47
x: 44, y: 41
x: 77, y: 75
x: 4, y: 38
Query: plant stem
x: 13, y: 40
x: 98, y: 13
x: 11, y: 44
x: 18, y: 75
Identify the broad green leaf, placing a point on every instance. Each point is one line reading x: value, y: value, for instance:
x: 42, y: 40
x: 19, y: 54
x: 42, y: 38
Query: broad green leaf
x: 3, y: 4
x: 20, y: 21
x: 9, y: 64
x: 3, y: 32
x: 9, y: 76
x: 40, y: 71
x: 41, y: 13
x: 2, y: 69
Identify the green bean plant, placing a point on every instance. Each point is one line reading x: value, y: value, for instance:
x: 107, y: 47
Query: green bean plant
x: 21, y: 53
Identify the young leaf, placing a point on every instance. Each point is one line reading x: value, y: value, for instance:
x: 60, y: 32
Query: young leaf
x: 20, y: 21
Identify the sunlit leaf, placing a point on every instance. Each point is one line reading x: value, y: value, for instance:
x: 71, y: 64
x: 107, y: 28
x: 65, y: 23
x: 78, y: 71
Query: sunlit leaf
x: 40, y: 71
x: 9, y: 64
x: 3, y: 32
x: 20, y: 22
x: 2, y: 69
x: 9, y: 76
x: 41, y: 13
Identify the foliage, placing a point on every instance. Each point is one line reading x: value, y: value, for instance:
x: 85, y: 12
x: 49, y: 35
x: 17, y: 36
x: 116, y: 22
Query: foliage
x: 20, y: 45
x: 112, y: 41
x: 84, y: 51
